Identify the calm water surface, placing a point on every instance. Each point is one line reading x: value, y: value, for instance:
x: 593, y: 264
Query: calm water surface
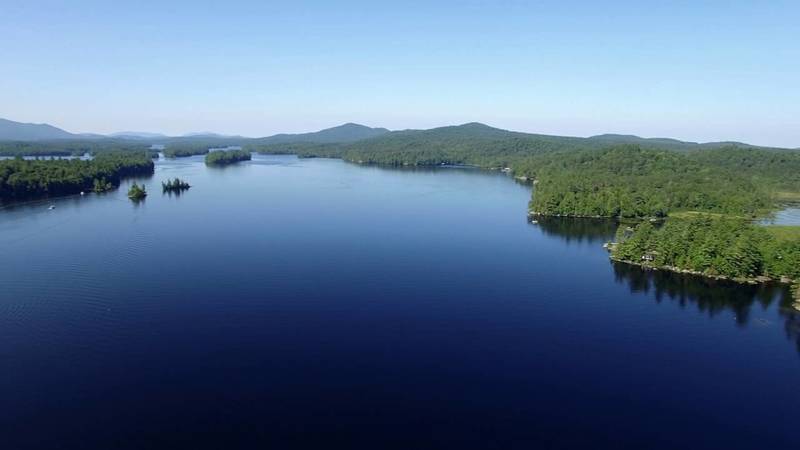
x: 788, y: 216
x: 287, y: 303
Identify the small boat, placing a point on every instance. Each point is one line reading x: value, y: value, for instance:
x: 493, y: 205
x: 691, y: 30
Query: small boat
x: 52, y: 207
x: 534, y: 222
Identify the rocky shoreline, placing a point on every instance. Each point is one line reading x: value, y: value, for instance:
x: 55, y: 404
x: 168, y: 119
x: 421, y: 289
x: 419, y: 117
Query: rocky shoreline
x: 749, y: 280
x: 568, y: 216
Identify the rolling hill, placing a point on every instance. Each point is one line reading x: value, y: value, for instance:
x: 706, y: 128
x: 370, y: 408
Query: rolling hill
x: 18, y: 131
x: 349, y: 132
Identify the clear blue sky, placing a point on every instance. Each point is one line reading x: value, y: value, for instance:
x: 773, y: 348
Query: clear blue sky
x: 696, y: 70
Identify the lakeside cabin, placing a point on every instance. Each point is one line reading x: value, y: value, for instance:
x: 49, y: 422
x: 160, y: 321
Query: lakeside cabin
x: 649, y: 256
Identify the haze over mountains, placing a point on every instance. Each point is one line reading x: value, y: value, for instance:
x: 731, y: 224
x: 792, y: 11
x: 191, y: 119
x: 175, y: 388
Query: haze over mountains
x: 349, y: 133
x: 17, y: 131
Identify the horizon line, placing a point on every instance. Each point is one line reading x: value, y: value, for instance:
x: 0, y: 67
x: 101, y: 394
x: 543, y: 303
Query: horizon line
x: 223, y: 135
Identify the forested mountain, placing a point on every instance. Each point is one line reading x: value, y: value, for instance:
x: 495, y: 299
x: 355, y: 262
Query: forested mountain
x: 18, y: 131
x: 472, y: 143
x: 665, y: 143
x: 137, y: 135
x: 349, y: 132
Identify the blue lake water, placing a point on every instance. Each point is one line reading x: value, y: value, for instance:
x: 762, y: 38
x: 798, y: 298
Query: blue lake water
x: 292, y: 303
x: 788, y: 216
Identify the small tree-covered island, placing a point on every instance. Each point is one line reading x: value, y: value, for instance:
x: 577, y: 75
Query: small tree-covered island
x: 175, y: 185
x: 226, y: 157
x: 137, y: 192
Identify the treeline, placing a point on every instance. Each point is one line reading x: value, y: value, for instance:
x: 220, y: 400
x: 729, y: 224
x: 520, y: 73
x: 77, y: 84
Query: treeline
x: 713, y: 247
x: 175, y: 185
x: 485, y: 146
x: 20, y: 178
x: 70, y: 147
x: 225, y: 157
x: 182, y: 151
x: 630, y: 182
x: 778, y: 169
x: 473, y: 144
x: 301, y: 149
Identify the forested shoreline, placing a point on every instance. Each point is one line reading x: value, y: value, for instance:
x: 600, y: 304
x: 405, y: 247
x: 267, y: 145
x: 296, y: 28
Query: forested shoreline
x: 23, y: 179
x: 630, y: 182
x: 712, y: 246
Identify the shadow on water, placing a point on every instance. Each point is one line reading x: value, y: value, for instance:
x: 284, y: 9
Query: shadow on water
x: 173, y: 193
x: 712, y: 296
x: 220, y: 168
x: 707, y: 296
x: 462, y: 168
x: 579, y: 230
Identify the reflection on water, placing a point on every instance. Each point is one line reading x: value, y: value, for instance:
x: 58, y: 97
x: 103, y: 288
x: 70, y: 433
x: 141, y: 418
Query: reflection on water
x: 425, y: 169
x: 579, y: 230
x: 706, y: 295
x: 712, y: 297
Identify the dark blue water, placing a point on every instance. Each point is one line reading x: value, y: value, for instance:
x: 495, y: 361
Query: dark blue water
x: 287, y: 303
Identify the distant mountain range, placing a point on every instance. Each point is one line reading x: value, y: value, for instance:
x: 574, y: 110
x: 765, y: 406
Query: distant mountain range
x: 17, y: 131
x: 349, y: 132
x: 352, y: 132
x: 665, y: 143
x: 137, y: 135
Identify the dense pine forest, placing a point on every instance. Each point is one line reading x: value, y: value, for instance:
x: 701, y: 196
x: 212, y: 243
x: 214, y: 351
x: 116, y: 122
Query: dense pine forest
x: 225, y: 157
x: 713, y: 246
x: 175, y: 185
x: 630, y: 182
x: 70, y: 147
x: 20, y: 178
x: 183, y: 151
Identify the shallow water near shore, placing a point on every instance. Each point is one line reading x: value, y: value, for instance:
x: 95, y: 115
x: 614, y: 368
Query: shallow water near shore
x: 314, y: 303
